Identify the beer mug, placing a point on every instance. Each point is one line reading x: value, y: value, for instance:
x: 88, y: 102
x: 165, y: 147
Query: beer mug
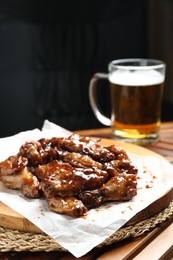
x: 136, y: 90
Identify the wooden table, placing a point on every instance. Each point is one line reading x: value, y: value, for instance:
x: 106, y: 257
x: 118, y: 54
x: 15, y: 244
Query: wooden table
x: 156, y: 244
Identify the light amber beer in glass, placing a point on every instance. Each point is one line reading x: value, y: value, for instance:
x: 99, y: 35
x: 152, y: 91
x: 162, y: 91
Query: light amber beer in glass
x: 136, y: 90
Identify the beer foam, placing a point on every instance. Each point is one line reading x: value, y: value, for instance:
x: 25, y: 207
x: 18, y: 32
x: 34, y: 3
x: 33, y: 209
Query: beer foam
x: 136, y: 78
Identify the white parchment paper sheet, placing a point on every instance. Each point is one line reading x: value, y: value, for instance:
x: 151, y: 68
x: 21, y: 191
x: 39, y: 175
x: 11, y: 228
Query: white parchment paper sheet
x: 80, y: 235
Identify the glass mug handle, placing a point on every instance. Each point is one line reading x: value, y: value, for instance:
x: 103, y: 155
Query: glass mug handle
x: 93, y: 100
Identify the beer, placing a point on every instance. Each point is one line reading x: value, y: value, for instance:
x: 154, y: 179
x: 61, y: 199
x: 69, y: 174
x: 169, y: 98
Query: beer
x: 136, y: 98
x: 136, y: 90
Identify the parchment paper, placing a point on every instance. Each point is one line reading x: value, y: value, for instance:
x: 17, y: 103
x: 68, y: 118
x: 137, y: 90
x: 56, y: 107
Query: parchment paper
x: 80, y: 235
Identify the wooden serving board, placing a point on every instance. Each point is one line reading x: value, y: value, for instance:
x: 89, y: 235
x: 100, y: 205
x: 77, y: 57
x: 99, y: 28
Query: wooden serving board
x: 13, y: 220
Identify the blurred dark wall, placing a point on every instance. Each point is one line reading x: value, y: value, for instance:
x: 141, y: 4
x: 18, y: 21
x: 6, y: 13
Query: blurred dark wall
x: 160, y: 46
x: 49, y: 51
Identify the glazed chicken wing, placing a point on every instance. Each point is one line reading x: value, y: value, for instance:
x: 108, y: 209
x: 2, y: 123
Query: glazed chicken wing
x: 86, y: 146
x: 67, y: 205
x: 63, y: 179
x: 120, y: 187
x: 15, y: 175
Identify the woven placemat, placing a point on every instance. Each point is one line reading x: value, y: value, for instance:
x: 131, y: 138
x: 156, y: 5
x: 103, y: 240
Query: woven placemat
x: 13, y: 240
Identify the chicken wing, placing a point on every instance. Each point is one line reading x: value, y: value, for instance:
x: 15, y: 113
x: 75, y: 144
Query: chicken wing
x: 63, y: 179
x: 67, y: 205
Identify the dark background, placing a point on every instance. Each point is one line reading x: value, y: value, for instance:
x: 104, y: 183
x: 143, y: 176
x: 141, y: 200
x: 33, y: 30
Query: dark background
x: 49, y: 51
